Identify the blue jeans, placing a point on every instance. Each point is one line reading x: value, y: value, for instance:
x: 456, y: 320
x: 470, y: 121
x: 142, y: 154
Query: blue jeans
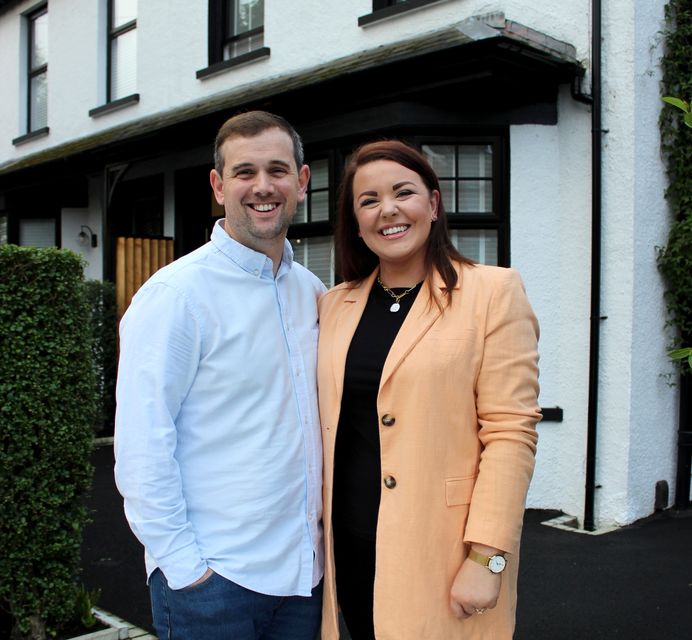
x: 218, y: 609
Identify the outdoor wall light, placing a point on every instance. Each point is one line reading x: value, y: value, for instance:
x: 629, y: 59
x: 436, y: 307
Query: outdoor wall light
x: 84, y: 237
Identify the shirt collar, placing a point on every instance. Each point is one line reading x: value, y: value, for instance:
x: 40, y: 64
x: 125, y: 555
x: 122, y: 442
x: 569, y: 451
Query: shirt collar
x: 248, y: 259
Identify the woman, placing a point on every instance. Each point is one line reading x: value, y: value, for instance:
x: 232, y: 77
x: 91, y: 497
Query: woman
x: 427, y: 374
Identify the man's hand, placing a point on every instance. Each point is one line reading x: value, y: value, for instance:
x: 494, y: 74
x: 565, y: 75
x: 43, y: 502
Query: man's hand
x: 475, y: 588
x: 207, y: 573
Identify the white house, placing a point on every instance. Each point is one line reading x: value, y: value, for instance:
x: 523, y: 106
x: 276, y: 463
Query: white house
x: 110, y: 108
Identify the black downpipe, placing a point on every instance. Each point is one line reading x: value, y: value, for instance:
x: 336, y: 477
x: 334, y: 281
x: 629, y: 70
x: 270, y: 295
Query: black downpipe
x: 596, y: 215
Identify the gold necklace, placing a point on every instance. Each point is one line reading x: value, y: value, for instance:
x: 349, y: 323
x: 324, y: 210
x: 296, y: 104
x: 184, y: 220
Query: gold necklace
x: 395, y: 305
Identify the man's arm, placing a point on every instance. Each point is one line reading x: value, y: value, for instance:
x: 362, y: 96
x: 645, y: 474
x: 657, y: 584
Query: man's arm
x: 160, y: 341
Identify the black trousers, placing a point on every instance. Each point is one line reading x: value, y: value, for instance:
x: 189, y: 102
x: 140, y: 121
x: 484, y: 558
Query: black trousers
x: 354, y: 560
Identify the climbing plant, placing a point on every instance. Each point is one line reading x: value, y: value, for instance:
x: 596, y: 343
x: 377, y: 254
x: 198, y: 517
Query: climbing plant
x: 675, y: 259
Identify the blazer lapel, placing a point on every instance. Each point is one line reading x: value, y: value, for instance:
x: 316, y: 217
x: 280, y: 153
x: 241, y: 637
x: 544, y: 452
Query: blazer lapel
x: 420, y: 318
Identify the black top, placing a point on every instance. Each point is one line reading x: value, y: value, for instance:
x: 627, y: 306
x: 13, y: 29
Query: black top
x: 357, y: 472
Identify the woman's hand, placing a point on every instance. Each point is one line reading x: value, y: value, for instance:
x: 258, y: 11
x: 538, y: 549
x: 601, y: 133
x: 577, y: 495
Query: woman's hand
x: 475, y: 588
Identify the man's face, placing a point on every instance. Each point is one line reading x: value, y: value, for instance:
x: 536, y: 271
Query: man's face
x: 260, y: 189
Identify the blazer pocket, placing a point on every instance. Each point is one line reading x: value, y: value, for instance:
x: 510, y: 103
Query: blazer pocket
x: 459, y: 490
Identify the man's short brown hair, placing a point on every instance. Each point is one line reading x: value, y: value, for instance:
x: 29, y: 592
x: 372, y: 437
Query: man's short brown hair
x: 250, y: 124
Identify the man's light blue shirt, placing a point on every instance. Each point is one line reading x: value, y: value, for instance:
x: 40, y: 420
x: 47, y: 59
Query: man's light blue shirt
x: 217, y: 441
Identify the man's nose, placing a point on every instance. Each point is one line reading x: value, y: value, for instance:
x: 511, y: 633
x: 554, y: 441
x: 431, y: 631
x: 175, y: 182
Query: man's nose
x: 263, y: 184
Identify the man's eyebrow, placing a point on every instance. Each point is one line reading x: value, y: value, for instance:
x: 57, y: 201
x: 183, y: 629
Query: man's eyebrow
x: 251, y: 165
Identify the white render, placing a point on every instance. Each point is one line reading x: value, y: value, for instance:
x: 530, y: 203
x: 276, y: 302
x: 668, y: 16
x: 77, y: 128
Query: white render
x: 550, y: 196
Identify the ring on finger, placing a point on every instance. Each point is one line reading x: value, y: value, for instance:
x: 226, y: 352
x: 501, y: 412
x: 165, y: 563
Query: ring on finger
x: 480, y: 611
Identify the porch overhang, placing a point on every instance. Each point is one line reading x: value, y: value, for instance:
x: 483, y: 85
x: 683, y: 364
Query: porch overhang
x: 490, y: 56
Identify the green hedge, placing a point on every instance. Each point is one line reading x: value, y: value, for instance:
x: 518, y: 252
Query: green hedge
x: 47, y: 402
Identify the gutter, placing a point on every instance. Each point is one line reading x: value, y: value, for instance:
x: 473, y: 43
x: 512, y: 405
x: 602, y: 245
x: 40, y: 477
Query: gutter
x: 596, y: 222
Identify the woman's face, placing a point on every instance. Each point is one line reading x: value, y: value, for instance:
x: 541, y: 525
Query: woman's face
x: 394, y: 211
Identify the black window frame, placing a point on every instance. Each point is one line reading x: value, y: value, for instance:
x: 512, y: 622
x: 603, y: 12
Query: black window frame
x: 113, y: 34
x: 310, y: 228
x: 382, y: 9
x: 34, y: 72
x: 499, y: 220
x: 337, y: 152
x: 220, y: 36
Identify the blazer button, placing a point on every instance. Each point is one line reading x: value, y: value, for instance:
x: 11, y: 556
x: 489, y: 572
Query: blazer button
x: 388, y: 420
x: 390, y: 482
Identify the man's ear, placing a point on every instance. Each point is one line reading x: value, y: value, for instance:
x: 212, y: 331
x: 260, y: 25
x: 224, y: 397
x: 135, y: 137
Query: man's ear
x: 303, y: 180
x: 216, y: 185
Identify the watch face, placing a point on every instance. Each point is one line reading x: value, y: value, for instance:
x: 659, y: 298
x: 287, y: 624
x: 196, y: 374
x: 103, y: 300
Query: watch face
x: 496, y: 564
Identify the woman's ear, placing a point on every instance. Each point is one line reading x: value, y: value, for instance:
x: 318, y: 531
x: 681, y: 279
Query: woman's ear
x: 434, y: 204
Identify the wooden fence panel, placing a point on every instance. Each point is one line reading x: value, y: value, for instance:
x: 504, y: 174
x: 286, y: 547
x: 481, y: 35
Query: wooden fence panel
x: 136, y: 260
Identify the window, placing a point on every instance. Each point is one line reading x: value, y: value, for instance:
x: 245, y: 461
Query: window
x: 472, y: 196
x: 236, y: 34
x: 386, y: 8
x: 3, y: 230
x: 310, y: 233
x: 122, y: 49
x: 37, y: 232
x: 316, y: 254
x: 315, y: 207
x: 38, y: 70
x: 243, y: 27
x: 474, y: 182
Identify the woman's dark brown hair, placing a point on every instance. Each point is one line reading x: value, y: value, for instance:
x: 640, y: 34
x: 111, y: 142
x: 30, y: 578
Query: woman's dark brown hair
x: 356, y: 260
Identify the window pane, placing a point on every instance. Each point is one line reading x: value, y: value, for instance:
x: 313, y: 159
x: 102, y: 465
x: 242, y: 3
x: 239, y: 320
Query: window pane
x: 3, y: 229
x: 319, y: 174
x: 448, y: 192
x: 245, y: 45
x: 39, y: 41
x: 441, y: 158
x: 316, y: 254
x: 124, y: 65
x: 477, y: 244
x: 37, y: 232
x: 39, y: 102
x: 245, y: 15
x: 319, y: 206
x: 124, y: 11
x: 475, y: 161
x: 301, y: 212
x: 475, y: 196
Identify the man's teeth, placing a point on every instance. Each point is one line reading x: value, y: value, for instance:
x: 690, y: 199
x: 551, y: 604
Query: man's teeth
x: 391, y: 230
x: 262, y: 207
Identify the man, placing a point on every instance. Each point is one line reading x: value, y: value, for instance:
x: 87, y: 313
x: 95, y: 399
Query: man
x: 217, y: 445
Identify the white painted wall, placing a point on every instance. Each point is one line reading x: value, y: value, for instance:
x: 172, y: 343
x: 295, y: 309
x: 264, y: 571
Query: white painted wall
x: 172, y: 47
x: 550, y: 197
x: 637, y: 409
x: 551, y: 229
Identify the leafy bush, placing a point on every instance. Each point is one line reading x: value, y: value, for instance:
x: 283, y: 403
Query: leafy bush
x: 47, y: 403
x: 101, y: 298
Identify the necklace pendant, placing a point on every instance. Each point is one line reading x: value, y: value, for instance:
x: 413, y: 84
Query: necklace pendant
x: 395, y: 307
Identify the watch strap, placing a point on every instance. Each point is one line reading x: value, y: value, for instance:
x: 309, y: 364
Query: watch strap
x: 478, y: 557
x: 486, y: 560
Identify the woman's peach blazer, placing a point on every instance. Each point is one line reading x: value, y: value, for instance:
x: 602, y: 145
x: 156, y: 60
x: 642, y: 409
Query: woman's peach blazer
x: 462, y: 388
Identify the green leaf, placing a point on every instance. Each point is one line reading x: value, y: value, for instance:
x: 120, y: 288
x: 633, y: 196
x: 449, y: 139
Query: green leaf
x: 676, y: 102
x: 679, y: 354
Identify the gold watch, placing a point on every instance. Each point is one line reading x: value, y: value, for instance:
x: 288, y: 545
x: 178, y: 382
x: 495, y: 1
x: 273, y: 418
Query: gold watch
x: 495, y: 563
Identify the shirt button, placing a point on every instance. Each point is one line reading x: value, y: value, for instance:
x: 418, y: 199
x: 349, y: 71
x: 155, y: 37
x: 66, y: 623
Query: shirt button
x: 390, y: 482
x: 256, y: 272
x: 388, y: 420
